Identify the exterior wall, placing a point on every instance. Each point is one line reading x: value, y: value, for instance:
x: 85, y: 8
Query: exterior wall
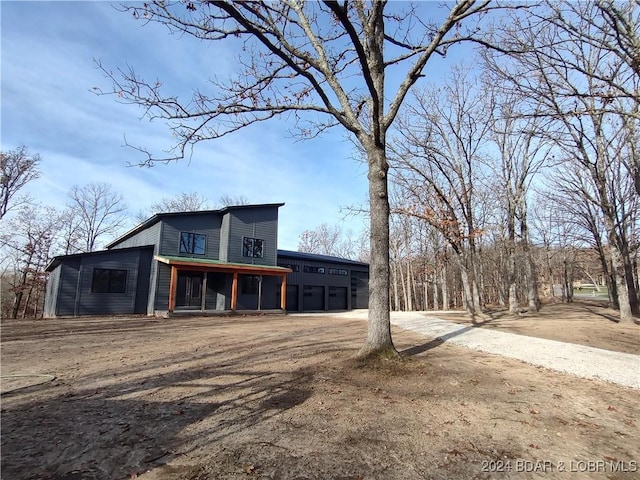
x: 224, y: 237
x: 68, y: 291
x: 51, y: 295
x: 324, y: 291
x: 114, y: 303
x: 148, y: 236
x: 260, y: 222
x: 162, y: 289
x: 207, y: 224
x: 70, y: 284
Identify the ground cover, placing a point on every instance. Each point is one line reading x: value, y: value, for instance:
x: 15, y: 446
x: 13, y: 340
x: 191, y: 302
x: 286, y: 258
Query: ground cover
x: 281, y: 397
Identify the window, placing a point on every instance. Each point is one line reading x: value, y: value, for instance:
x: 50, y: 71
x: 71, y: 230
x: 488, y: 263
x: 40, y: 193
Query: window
x: 308, y: 269
x: 193, y: 243
x: 338, y: 271
x: 252, y: 247
x: 295, y: 268
x: 108, y: 280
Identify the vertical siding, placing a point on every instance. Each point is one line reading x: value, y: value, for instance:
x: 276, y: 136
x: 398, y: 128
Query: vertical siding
x: 145, y: 260
x: 68, y: 292
x: 90, y: 303
x: 51, y: 295
x: 162, y: 290
x: 149, y: 236
x: 224, y: 238
x: 330, y: 289
x: 261, y: 222
x: 205, y: 224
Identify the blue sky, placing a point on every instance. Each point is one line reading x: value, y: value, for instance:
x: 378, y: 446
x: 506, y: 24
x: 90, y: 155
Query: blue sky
x: 48, y: 73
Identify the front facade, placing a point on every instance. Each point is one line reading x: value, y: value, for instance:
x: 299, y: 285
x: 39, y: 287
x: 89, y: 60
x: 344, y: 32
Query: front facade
x: 215, y: 260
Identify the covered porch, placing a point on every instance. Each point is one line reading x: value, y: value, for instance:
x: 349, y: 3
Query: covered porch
x: 183, y: 277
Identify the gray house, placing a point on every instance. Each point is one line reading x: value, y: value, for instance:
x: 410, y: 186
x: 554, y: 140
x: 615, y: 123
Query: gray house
x: 224, y: 260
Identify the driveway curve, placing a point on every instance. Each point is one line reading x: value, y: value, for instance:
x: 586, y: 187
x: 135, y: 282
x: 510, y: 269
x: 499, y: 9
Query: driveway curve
x: 579, y: 360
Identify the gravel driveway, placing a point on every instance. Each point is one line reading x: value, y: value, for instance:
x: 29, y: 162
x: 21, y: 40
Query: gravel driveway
x: 578, y: 360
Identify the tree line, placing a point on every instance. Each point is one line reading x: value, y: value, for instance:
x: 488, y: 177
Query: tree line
x: 541, y: 132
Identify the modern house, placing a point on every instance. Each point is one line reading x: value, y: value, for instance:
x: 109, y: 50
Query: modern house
x: 214, y: 260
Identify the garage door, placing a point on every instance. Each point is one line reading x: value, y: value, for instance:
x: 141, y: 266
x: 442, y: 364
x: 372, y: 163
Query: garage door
x: 337, y: 298
x: 292, y: 298
x: 359, y: 290
x: 312, y: 298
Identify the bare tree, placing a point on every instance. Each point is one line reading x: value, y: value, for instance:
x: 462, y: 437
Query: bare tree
x: 584, y: 89
x: 522, y: 154
x: 27, y: 240
x: 98, y: 212
x: 324, y: 63
x: 436, y: 160
x: 19, y: 167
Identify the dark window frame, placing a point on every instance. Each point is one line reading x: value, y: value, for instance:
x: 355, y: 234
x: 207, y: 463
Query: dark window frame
x: 109, y: 280
x: 253, y: 247
x: 190, y: 246
x: 295, y: 268
x: 338, y: 271
x: 313, y: 269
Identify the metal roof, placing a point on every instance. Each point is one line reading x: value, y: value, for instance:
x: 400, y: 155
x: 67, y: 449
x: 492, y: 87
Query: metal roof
x: 314, y: 257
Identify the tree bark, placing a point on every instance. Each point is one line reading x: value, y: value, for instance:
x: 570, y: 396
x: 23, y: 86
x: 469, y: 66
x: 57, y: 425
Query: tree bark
x: 378, y: 339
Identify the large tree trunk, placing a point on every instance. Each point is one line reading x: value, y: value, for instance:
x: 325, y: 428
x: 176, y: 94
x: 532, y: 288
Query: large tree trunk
x: 618, y: 270
x: 378, y: 339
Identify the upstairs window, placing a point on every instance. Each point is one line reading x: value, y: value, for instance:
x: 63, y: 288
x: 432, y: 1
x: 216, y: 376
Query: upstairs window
x: 252, y: 247
x: 109, y: 280
x: 192, y: 243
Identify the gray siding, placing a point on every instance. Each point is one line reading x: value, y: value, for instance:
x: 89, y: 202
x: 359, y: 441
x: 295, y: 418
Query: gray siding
x: 51, y: 296
x: 259, y: 223
x: 149, y: 236
x: 162, y: 290
x: 206, y: 224
x: 90, y: 303
x: 68, y: 292
x: 224, y: 238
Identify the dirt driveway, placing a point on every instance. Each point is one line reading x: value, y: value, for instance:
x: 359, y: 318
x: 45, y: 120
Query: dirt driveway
x: 281, y: 397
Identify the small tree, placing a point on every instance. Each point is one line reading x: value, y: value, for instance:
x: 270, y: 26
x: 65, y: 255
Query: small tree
x: 18, y: 167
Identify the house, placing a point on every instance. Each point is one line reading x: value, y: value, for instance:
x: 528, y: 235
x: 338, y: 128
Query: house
x: 213, y: 260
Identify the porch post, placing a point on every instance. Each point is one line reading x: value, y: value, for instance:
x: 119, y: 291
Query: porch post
x: 283, y: 292
x: 172, y: 288
x: 203, y: 293
x: 234, y: 291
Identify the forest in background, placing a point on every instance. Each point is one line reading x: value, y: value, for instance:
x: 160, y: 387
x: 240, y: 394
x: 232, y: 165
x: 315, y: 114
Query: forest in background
x: 510, y: 182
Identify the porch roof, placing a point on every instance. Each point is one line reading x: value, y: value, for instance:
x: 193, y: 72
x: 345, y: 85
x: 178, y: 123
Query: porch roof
x: 205, y: 264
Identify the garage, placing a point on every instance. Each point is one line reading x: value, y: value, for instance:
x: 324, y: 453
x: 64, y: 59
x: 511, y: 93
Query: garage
x: 313, y: 298
x: 338, y: 298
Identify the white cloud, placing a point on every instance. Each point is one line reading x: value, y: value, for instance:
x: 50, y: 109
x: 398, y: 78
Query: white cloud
x: 47, y: 104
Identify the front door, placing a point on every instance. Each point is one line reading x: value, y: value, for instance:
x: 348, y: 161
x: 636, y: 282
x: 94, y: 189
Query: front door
x: 189, y: 290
